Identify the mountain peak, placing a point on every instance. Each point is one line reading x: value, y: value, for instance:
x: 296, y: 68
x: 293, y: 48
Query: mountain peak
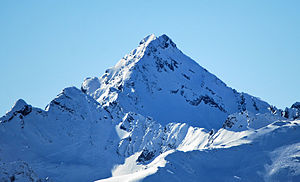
x: 296, y: 105
x: 152, y: 41
x: 162, y: 41
x: 158, y: 76
x: 148, y: 39
x: 20, y: 107
x: 166, y: 41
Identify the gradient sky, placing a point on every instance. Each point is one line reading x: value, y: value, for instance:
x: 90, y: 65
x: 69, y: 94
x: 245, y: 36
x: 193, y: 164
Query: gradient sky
x: 45, y: 46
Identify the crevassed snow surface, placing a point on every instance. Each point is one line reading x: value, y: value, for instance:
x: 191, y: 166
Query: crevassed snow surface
x: 155, y: 116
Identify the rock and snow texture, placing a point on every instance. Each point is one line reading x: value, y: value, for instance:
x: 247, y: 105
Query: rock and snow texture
x: 155, y: 116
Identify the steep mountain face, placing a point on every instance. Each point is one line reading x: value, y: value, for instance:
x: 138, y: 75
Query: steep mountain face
x: 158, y: 80
x: 155, y: 116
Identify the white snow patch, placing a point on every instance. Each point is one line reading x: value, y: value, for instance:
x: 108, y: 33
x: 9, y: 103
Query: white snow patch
x: 141, y: 173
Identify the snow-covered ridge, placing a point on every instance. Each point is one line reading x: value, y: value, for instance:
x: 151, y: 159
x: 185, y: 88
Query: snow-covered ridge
x: 75, y: 131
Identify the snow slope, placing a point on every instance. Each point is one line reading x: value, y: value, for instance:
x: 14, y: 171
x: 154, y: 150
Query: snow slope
x: 272, y: 155
x: 155, y: 116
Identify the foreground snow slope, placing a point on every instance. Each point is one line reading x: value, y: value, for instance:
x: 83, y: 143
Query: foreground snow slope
x: 155, y: 116
x: 270, y: 153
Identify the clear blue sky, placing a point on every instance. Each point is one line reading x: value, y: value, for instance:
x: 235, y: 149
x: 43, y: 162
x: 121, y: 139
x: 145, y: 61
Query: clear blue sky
x: 45, y: 46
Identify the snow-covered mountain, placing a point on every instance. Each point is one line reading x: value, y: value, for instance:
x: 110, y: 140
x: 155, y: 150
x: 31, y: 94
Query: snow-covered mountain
x: 155, y: 116
x: 158, y: 80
